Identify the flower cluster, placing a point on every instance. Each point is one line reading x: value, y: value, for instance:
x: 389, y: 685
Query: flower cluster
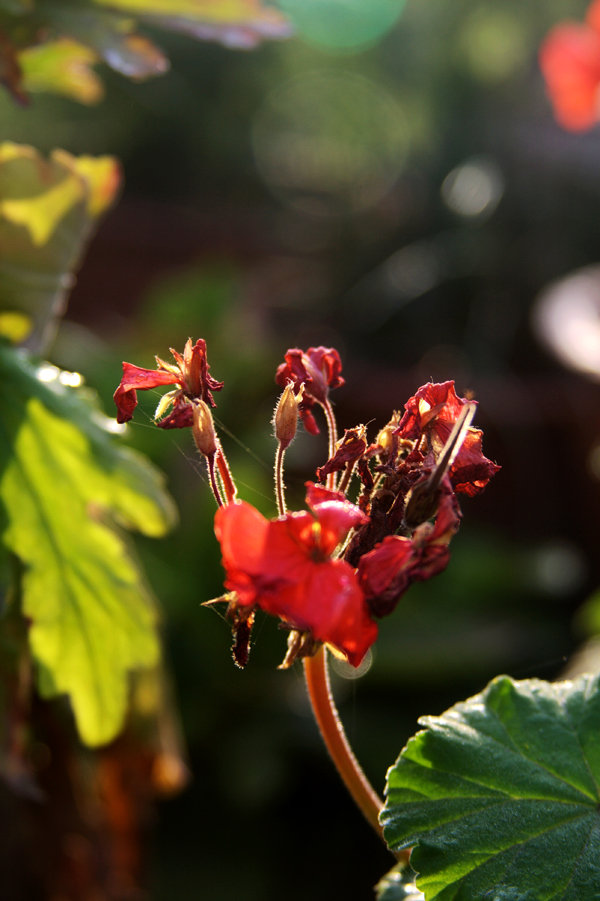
x: 330, y: 571
x: 570, y: 63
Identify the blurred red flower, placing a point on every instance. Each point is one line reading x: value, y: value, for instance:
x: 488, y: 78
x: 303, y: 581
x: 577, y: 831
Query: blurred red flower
x: 570, y: 62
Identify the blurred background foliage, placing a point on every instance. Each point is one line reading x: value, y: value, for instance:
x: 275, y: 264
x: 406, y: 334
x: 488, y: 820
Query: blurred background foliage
x: 398, y: 190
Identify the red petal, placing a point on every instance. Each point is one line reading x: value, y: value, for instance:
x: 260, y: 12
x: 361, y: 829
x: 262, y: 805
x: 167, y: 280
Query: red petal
x: 181, y: 417
x: 242, y: 533
x: 385, y: 569
x: 335, y: 514
x: 134, y: 379
x: 434, y: 407
x: 319, y: 369
x: 198, y: 383
x: 471, y: 471
x: 330, y: 605
x: 592, y: 16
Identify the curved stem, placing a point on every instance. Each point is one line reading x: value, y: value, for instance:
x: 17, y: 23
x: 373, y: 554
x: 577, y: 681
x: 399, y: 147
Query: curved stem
x: 332, y: 731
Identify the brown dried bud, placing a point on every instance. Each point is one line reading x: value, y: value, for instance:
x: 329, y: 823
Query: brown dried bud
x: 203, y: 429
x: 285, y: 418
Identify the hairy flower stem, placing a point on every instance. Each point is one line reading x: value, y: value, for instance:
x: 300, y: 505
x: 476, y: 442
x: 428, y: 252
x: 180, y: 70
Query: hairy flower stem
x: 279, y: 486
x: 225, y: 476
x: 332, y: 431
x: 332, y: 731
x: 210, y: 463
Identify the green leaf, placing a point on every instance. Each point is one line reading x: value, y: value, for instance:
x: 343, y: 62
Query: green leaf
x: 63, y: 485
x: 47, y: 212
x: 501, y: 795
x: 110, y: 36
x: 43, y: 45
x: 62, y: 67
x: 242, y: 23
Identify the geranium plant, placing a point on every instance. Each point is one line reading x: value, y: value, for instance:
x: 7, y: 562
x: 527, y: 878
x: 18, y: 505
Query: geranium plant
x: 499, y: 781
x: 499, y: 797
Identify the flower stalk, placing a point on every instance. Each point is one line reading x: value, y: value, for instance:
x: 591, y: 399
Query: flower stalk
x: 279, y: 486
x: 329, y: 723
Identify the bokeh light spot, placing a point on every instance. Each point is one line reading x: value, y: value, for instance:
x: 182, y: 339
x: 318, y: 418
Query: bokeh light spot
x: 567, y: 318
x: 558, y: 568
x: 342, y: 24
x: 473, y: 189
x: 346, y: 671
x: 494, y: 43
x: 330, y: 142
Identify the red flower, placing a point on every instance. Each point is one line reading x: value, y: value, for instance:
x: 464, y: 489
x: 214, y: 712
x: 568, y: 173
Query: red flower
x: 395, y: 563
x: 285, y: 567
x: 570, y: 63
x: 432, y: 412
x: 318, y: 369
x: 190, y: 374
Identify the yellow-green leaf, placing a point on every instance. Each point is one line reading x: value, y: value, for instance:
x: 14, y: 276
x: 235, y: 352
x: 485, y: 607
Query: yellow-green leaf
x: 64, y: 67
x: 63, y: 486
x: 47, y: 211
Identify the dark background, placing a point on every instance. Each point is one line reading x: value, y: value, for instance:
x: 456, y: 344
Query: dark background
x: 408, y: 202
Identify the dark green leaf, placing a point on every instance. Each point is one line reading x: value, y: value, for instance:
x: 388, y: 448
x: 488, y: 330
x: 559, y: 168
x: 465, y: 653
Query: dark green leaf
x: 63, y: 484
x: 501, y: 795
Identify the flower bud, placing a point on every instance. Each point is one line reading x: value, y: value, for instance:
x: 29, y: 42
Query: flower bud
x: 203, y: 429
x: 285, y: 419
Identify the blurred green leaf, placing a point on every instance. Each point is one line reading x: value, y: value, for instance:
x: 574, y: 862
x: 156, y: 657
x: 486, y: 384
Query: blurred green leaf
x: 62, y: 67
x: 500, y: 795
x: 42, y: 43
x: 47, y: 212
x: 63, y: 486
x: 110, y: 36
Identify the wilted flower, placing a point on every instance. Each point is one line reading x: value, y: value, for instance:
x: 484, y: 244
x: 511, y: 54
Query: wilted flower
x: 318, y: 369
x: 189, y: 374
x: 431, y: 415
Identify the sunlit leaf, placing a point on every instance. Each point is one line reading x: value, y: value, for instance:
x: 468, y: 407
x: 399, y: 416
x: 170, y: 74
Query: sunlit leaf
x: 51, y: 46
x: 63, y: 486
x: 500, y: 795
x: 14, y: 326
x: 232, y: 22
x: 62, y: 67
x: 112, y: 36
x: 47, y: 212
